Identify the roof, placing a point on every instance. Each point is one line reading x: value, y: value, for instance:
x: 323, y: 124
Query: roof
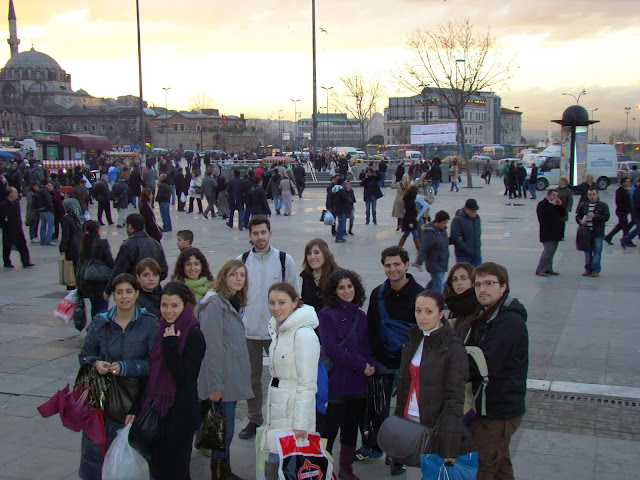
x: 509, y: 111
x: 32, y: 59
x: 85, y: 141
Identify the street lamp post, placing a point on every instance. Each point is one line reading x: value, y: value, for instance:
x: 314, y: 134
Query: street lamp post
x: 295, y: 119
x: 633, y: 129
x: 314, y: 129
x: 326, y: 89
x: 627, y: 110
x: 280, y: 129
x: 577, y: 99
x: 142, y: 154
x: 592, y: 125
x: 166, y: 117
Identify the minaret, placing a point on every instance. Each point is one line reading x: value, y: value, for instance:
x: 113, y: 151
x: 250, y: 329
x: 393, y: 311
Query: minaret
x: 13, y: 39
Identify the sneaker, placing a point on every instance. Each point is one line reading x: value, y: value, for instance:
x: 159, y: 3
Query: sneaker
x: 631, y: 244
x: 551, y: 272
x: 364, y: 453
x: 586, y: 274
x: 26, y: 265
x: 608, y: 241
x: 595, y: 274
x: 542, y: 274
x: 249, y: 431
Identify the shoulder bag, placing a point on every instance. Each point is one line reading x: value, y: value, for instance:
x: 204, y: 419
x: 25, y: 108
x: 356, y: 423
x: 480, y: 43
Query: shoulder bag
x: 324, y: 359
x: 121, y: 393
x: 96, y: 271
x: 405, y: 440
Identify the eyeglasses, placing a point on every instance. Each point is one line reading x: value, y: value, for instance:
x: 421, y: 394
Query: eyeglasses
x: 486, y: 284
x: 459, y: 279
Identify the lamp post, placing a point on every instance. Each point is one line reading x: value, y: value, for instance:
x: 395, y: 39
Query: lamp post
x: 326, y: 118
x: 315, y: 96
x: 591, y: 110
x: 633, y: 129
x: 280, y: 129
x: 577, y: 99
x: 627, y: 110
x: 142, y: 154
x: 166, y: 117
x: 295, y: 119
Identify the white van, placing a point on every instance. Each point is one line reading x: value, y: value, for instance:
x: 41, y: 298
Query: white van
x: 410, y: 155
x: 602, y: 163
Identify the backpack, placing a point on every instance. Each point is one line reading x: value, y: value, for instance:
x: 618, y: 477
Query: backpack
x: 394, y: 332
x: 470, y: 397
x: 283, y: 258
x: 322, y: 383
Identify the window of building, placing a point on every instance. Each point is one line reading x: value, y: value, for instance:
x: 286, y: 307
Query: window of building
x: 86, y: 128
x: 93, y: 128
x: 74, y: 127
x: 175, y: 127
x: 182, y: 127
x: 198, y: 128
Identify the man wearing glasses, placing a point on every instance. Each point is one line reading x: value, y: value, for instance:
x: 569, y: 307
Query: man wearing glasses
x: 499, y: 329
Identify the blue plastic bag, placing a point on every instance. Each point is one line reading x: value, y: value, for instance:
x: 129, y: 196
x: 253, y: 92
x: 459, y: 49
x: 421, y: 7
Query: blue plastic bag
x: 433, y: 467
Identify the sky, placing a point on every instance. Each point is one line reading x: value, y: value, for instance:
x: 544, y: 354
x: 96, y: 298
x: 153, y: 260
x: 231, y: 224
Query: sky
x: 253, y: 56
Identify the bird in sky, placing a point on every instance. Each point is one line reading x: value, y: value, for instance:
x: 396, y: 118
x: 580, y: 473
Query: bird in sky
x: 323, y: 30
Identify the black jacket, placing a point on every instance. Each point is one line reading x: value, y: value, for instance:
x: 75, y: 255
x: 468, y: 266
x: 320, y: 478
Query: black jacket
x: 371, y: 187
x: 70, y: 240
x: 534, y: 175
x: 410, y: 214
x: 443, y: 374
x: 164, y: 192
x: 237, y: 194
x: 400, y: 305
x: 550, y: 219
x: 150, y: 225
x: 101, y: 191
x: 257, y: 200
x: 465, y: 234
x: 120, y: 194
x: 434, y: 249
x: 601, y: 216
x: 139, y: 245
x: 340, y: 201
x: 97, y: 249
x: 504, y: 340
x: 46, y: 200
x: 150, y: 301
x: 635, y: 204
x: 11, y: 221
x: 623, y: 201
x: 310, y: 292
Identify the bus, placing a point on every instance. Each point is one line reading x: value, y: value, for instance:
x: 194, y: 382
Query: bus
x: 629, y: 148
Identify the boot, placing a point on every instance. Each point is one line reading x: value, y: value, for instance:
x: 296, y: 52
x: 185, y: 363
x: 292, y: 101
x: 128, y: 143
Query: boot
x: 351, y: 229
x: 228, y: 474
x: 416, y: 242
x: 271, y: 471
x: 401, y: 242
x: 218, y: 469
x: 347, y: 455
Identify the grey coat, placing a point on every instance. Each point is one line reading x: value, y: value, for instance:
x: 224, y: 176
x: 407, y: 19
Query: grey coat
x: 225, y: 367
x: 209, y: 186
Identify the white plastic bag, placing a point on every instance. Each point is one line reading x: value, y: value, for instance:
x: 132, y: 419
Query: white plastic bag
x: 87, y: 215
x: 183, y: 198
x: 329, y: 219
x: 64, y: 310
x: 123, y: 462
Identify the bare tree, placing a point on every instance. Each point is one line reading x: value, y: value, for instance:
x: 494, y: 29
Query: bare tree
x: 622, y: 135
x: 456, y: 61
x: 359, y: 100
x: 201, y: 101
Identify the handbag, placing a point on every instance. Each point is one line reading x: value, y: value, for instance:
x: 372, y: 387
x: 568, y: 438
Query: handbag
x: 583, y: 238
x: 79, y: 315
x: 212, y: 431
x: 405, y: 440
x: 325, y: 360
x: 122, y: 391
x: 96, y: 271
x: 145, y: 429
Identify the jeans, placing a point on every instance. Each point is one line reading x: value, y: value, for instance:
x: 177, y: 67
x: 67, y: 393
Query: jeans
x: 277, y: 202
x: 342, y: 223
x: 352, y: 218
x: 46, y: 227
x: 98, y: 305
x: 165, y: 215
x: 414, y: 232
x: 173, y: 194
x: 90, y: 453
x: 629, y: 236
x: 532, y: 190
x: 475, y: 261
x: 33, y: 228
x: 229, y: 410
x: 383, y: 177
x: 454, y: 185
x: 247, y: 214
x: 623, y: 224
x: 594, y: 255
x: 545, y: 264
x: 134, y: 201
x: 256, y: 347
x: 437, y: 282
x: 240, y: 218
x: 435, y: 184
x: 492, y: 437
x: 371, y: 202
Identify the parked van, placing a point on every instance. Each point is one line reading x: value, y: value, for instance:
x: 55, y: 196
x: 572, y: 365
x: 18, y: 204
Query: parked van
x: 345, y: 151
x: 412, y: 155
x: 602, y: 163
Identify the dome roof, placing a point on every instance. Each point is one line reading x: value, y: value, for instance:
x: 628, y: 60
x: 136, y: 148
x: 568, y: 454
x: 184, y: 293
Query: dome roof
x: 32, y: 59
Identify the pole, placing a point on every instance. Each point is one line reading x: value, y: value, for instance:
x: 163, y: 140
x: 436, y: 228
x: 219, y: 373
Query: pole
x: 295, y: 119
x: 326, y: 118
x: 626, y: 128
x: 166, y: 117
x: 315, y: 97
x: 142, y: 154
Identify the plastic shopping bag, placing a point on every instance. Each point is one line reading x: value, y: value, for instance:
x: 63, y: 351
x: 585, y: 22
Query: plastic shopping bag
x: 329, y: 219
x: 303, y: 458
x: 65, y: 309
x: 183, y: 198
x: 123, y: 462
x: 433, y: 467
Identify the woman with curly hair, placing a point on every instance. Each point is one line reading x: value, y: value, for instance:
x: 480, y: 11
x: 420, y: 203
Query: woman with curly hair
x: 318, y: 266
x: 192, y: 268
x: 344, y: 339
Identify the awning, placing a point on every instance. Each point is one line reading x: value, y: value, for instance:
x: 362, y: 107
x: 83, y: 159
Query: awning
x: 86, y: 141
x: 57, y: 164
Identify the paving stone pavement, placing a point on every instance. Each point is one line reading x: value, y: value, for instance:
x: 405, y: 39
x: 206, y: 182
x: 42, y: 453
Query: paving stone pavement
x: 581, y: 330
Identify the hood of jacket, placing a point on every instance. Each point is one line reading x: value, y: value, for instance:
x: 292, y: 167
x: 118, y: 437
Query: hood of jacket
x: 337, y: 188
x: 462, y: 213
x: 305, y: 316
x: 514, y: 306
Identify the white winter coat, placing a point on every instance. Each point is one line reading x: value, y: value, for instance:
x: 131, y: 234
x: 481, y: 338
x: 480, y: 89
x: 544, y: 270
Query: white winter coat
x: 293, y: 359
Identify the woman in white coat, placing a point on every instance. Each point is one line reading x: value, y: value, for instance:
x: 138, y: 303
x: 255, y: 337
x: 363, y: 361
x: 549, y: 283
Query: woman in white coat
x: 293, y: 364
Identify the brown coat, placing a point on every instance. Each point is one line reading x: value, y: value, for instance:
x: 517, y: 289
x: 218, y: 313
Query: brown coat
x: 398, y: 204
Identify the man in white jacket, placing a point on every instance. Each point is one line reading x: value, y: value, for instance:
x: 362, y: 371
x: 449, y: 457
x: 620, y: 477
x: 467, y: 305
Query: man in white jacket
x: 266, y: 265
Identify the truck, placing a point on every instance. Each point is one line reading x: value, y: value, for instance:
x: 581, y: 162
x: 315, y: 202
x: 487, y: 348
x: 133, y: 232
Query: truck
x: 602, y: 163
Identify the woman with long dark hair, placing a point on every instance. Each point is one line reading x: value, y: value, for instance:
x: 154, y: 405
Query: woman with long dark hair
x: 344, y: 338
x: 192, y: 268
x: 172, y: 390
x: 410, y: 217
x: 32, y: 218
x: 96, y: 252
x: 318, y: 266
x: 71, y: 225
x: 134, y: 184
x: 461, y: 298
x: 150, y: 225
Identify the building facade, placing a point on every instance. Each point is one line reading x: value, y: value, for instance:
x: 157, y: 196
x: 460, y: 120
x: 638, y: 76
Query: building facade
x: 334, y: 130
x: 511, y: 126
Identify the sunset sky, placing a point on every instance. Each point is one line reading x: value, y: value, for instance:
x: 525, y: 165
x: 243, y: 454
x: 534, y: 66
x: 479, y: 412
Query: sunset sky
x: 253, y: 56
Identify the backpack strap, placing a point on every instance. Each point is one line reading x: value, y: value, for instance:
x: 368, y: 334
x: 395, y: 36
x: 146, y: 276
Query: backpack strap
x: 478, y: 357
x: 283, y: 260
x: 245, y: 255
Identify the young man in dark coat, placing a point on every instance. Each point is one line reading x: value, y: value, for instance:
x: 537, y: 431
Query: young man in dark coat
x: 257, y: 199
x: 434, y: 250
x: 594, y: 214
x: 466, y: 230
x: 550, y: 212
x: 340, y: 207
x: 103, y: 196
x: 500, y: 331
x: 623, y: 209
x: 299, y: 173
x: 12, y: 234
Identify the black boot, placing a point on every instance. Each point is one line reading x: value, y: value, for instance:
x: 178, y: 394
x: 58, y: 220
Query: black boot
x: 271, y: 470
x: 351, y: 229
x: 347, y: 455
x: 218, y: 469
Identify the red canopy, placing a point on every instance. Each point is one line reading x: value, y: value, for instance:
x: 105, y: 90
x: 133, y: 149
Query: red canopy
x: 86, y: 141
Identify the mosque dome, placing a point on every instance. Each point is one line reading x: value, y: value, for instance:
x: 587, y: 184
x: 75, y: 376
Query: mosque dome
x: 32, y: 59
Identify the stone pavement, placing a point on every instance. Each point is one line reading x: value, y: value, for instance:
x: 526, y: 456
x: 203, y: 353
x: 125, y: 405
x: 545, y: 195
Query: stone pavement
x: 584, y: 339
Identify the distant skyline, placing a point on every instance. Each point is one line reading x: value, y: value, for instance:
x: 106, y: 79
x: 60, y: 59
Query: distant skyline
x: 253, y: 57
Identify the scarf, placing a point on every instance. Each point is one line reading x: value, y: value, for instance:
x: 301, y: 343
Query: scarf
x: 72, y: 206
x: 483, y: 316
x: 161, y: 386
x: 463, y: 304
x: 199, y: 287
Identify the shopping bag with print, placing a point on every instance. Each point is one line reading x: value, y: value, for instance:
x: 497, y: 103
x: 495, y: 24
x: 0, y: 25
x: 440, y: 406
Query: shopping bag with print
x: 66, y: 308
x: 303, y: 459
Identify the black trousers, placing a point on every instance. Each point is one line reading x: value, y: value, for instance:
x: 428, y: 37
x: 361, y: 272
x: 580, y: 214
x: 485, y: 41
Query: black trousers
x: 106, y: 208
x: 191, y: 199
x: 623, y: 224
x: 345, y: 415
x: 19, y: 243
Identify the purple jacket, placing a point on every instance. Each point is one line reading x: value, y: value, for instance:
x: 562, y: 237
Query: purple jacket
x: 349, y: 361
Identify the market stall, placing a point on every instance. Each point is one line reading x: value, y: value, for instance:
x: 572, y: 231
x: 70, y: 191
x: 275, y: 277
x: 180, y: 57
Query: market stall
x: 61, y: 167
